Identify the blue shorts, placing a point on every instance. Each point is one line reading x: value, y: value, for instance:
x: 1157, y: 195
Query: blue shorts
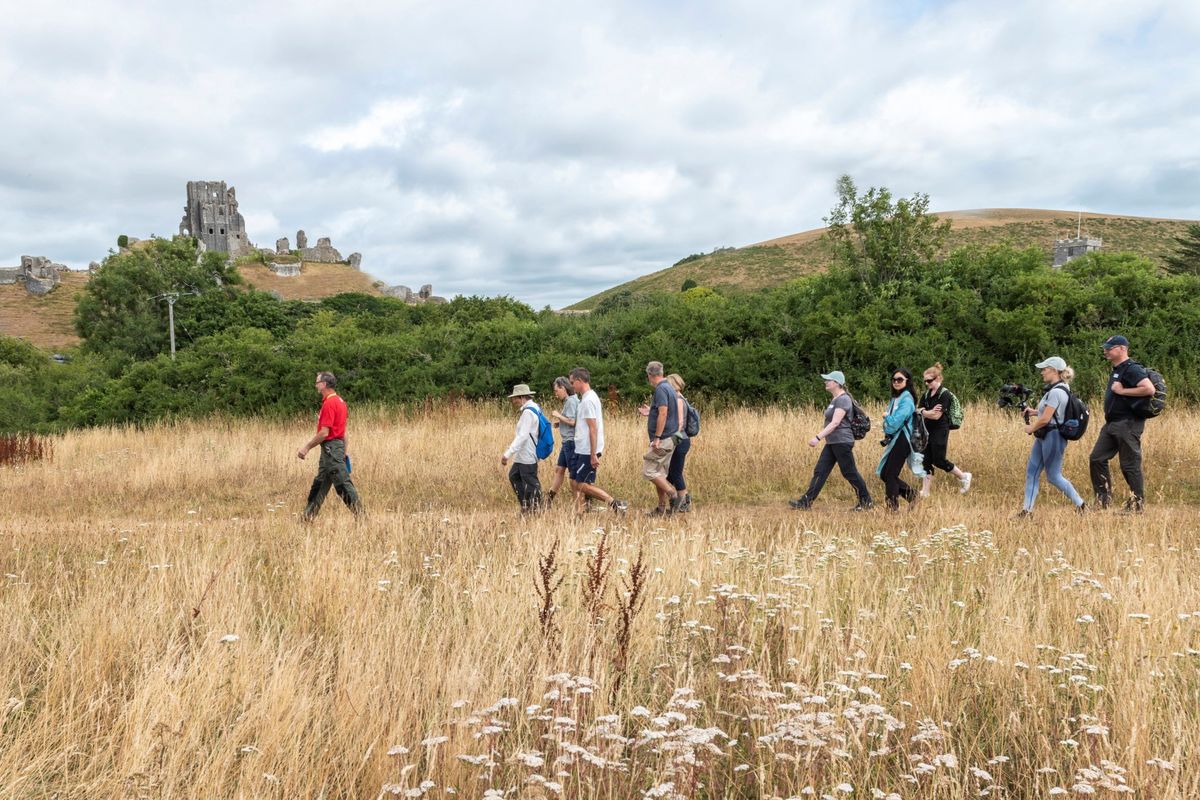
x: 581, y: 469
x: 566, y: 453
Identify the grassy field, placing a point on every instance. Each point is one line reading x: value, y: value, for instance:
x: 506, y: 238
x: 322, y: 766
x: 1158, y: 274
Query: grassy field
x: 315, y: 281
x: 779, y: 260
x: 168, y: 629
x: 45, y: 321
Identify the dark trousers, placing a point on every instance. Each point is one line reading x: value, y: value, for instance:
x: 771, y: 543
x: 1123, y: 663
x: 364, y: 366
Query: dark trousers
x: 1121, y: 438
x: 525, y: 483
x: 894, y: 485
x: 331, y: 472
x: 935, y: 451
x: 678, y: 459
x: 843, y: 456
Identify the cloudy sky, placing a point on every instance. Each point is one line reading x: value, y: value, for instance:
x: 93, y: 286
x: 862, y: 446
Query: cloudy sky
x: 550, y: 150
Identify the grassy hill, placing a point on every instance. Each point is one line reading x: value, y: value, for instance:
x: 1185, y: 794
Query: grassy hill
x: 315, y: 281
x: 46, y: 321
x: 43, y: 321
x: 776, y: 261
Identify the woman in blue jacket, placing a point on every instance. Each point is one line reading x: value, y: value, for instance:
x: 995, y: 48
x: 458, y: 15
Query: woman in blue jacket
x: 897, y: 427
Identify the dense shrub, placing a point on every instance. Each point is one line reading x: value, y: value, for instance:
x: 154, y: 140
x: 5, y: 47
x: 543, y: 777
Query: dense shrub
x: 987, y: 314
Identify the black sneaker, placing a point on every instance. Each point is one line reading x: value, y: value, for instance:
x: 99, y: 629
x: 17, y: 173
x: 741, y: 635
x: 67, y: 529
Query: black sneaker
x: 1133, y: 505
x: 1082, y: 509
x: 618, y: 506
x: 1022, y: 514
x: 686, y: 505
x: 1103, y: 501
x: 800, y: 503
x: 676, y: 502
x: 550, y: 499
x: 867, y: 506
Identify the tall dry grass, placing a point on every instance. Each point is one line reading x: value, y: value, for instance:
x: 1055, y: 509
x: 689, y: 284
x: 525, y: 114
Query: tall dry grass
x: 168, y: 628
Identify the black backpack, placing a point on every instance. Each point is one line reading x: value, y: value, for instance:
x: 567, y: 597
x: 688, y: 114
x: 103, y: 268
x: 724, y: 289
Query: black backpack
x: 918, y: 434
x: 1075, y: 415
x: 860, y: 423
x: 1150, y: 407
x: 692, y: 424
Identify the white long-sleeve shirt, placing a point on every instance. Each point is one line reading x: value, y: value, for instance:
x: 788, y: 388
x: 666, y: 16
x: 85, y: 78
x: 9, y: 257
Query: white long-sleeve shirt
x: 523, y: 449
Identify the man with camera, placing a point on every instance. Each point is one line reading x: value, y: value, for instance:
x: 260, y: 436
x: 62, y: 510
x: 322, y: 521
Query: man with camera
x: 1128, y: 385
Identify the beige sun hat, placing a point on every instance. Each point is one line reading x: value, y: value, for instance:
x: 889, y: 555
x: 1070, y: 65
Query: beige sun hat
x: 522, y: 390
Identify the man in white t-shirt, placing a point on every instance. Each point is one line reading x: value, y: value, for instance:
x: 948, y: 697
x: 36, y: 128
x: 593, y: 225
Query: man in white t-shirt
x: 589, y: 445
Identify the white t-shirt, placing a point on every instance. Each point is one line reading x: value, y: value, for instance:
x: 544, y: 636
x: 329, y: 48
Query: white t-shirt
x: 589, y: 408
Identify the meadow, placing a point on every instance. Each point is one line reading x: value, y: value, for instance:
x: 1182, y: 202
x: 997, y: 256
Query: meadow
x: 169, y: 629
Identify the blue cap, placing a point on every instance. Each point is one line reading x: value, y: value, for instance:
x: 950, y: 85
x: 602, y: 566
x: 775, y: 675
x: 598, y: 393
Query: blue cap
x: 1115, y: 341
x: 836, y: 376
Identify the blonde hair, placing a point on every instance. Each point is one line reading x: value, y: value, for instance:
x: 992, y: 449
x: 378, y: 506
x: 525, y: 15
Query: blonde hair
x: 676, y: 381
x: 936, y: 369
x: 1067, y: 374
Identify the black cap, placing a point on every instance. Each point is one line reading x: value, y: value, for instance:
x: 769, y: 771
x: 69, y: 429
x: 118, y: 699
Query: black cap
x: 1115, y: 341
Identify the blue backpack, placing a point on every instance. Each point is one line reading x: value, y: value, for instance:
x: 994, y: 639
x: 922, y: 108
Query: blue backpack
x: 545, y: 435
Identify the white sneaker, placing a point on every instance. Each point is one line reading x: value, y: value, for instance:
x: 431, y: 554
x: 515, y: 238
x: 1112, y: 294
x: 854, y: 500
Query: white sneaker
x: 966, y: 483
x: 924, y: 493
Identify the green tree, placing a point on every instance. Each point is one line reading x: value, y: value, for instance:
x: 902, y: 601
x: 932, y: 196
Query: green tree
x: 688, y: 284
x: 118, y: 313
x: 1186, y: 258
x: 883, y: 241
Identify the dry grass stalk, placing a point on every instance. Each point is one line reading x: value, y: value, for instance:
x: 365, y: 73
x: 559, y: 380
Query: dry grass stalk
x: 23, y: 448
x: 595, y: 584
x: 546, y: 583
x: 629, y: 604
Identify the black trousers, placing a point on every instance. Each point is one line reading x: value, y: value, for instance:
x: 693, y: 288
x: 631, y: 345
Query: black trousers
x: 678, y: 459
x: 331, y: 472
x: 1121, y: 438
x: 525, y: 483
x: 935, y: 451
x: 843, y: 456
x: 894, y: 485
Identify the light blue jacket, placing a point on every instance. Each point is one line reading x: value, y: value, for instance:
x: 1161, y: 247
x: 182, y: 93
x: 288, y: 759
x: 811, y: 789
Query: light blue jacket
x: 897, y: 422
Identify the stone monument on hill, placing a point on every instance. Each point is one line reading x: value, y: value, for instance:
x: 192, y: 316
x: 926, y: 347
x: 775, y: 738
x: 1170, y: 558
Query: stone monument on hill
x: 211, y: 215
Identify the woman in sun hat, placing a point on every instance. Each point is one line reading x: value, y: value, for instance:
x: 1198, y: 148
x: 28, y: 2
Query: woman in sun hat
x: 1049, y: 446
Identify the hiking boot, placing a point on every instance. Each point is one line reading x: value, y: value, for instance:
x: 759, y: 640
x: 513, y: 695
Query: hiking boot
x: 1103, y: 501
x: 1022, y: 514
x: 966, y: 483
x: 1082, y: 509
x: 686, y: 505
x: 867, y: 506
x: 550, y: 499
x: 800, y: 504
x: 618, y: 506
x: 1133, y: 505
x: 676, y: 502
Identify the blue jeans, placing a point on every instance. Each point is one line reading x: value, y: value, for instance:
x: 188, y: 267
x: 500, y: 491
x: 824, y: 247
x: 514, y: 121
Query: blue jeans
x: 1047, y: 454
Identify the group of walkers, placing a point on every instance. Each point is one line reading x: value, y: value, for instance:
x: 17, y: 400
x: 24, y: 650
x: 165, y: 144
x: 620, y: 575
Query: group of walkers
x: 916, y: 434
x: 1129, y: 390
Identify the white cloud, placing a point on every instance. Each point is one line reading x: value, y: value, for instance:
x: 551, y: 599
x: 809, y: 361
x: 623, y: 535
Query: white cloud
x: 551, y: 151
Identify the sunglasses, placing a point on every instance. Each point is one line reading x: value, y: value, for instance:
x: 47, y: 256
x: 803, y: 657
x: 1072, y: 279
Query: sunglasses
x: 930, y: 380
x: 898, y: 379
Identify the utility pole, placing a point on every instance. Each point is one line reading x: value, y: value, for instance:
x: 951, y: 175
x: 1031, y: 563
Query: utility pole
x: 171, y: 298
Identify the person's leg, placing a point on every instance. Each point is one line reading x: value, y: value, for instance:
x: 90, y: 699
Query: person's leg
x: 585, y: 478
x: 894, y: 486
x: 320, y: 485
x: 531, y: 487
x: 820, y: 474
x: 1106, y: 447
x: 844, y: 455
x: 1054, y: 448
x: 935, y: 457
x: 1129, y: 453
x: 1033, y: 474
x: 655, y: 467
x: 515, y: 480
x: 675, y: 473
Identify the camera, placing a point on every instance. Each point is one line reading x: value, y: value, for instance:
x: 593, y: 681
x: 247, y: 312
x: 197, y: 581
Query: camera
x: 1014, y: 395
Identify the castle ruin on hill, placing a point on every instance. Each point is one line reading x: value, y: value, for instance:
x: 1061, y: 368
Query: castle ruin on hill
x: 211, y: 215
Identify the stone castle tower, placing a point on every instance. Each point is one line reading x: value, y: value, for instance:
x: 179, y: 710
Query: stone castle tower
x: 211, y: 215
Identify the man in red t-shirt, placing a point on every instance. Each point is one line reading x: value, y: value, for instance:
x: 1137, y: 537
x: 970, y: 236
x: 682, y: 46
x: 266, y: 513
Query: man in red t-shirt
x: 332, y: 471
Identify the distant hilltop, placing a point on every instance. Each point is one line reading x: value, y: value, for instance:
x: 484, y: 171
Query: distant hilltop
x: 779, y: 260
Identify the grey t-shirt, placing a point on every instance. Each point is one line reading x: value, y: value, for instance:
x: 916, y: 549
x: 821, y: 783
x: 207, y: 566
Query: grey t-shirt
x: 566, y: 433
x: 664, y: 395
x: 1055, y: 398
x: 841, y: 434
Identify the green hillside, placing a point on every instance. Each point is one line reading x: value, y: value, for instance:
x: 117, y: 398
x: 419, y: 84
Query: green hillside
x: 779, y: 260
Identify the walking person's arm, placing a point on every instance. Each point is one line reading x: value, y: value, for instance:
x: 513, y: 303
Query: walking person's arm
x: 523, y: 431
x: 659, y: 424
x: 1042, y: 420
x: 319, y: 437
x: 1145, y: 388
x: 838, y: 415
x: 593, y: 436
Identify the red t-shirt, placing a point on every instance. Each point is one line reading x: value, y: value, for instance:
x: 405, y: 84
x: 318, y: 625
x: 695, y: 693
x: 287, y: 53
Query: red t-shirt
x: 333, y: 416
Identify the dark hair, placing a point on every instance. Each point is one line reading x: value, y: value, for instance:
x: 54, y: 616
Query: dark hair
x: 327, y: 378
x: 565, y: 384
x: 908, y: 383
x: 581, y: 374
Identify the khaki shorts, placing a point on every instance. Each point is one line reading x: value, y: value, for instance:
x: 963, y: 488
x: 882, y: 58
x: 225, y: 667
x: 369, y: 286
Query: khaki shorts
x: 656, y: 463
